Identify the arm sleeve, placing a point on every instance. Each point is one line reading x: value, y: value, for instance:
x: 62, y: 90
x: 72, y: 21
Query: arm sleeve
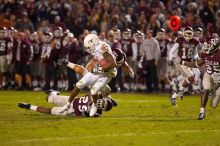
x: 173, y: 50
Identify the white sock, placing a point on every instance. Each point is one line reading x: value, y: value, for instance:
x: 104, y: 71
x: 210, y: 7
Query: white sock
x: 174, y: 95
x: 33, y: 107
x: 202, y: 110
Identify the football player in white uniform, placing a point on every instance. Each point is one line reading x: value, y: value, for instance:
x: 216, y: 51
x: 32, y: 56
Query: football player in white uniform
x: 101, y: 69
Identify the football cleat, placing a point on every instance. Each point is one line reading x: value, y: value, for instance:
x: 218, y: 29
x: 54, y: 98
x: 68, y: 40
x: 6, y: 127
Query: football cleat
x: 93, y: 110
x: 201, y: 116
x: 24, y: 105
x: 173, y: 101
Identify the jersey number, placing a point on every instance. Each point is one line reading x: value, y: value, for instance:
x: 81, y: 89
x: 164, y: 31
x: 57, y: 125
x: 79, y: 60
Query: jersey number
x: 187, y: 53
x: 2, y: 47
x: 82, y: 104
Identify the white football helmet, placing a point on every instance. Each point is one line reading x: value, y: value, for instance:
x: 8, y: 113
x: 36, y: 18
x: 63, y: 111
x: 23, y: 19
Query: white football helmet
x: 188, y: 33
x: 90, y: 42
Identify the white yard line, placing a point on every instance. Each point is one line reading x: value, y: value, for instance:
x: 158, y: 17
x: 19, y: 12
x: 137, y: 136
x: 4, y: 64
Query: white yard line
x: 111, y: 135
x: 141, y: 101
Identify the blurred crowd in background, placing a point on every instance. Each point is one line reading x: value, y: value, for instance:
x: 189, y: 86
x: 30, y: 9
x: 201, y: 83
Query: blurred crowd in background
x: 36, y: 33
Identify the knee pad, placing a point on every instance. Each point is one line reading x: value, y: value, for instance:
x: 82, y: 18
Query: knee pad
x: 80, y: 84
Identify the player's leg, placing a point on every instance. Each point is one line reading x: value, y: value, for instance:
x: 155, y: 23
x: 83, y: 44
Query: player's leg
x: 40, y: 109
x: 87, y: 80
x: 215, y: 95
x: 207, y: 85
x: 188, y: 78
x: 45, y: 110
x: 98, y: 86
x: 106, y: 92
x: 54, y: 98
x: 196, y: 83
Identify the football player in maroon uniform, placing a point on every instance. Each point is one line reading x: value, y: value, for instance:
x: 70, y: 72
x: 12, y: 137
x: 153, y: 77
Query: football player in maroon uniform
x: 210, y: 56
x: 122, y: 65
x: 79, y: 107
x: 5, y: 47
x: 22, y: 56
x: 57, y: 45
x: 140, y: 79
x: 35, y: 63
x: 186, y: 47
x: 129, y: 46
x: 48, y: 56
x: 165, y: 45
x: 199, y: 34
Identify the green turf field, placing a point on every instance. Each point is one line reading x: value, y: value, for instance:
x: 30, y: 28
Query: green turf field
x: 139, y: 119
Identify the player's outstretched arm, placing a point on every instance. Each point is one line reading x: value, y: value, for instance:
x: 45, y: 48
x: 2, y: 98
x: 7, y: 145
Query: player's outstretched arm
x: 195, y: 64
x: 127, y: 69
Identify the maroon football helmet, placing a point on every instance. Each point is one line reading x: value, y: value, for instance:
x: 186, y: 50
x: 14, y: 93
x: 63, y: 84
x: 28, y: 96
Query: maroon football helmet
x: 33, y: 36
x: 117, y: 34
x: 199, y: 32
x: 47, y: 37
x: 188, y: 33
x: 126, y: 33
x: 58, y: 32
x: 161, y: 34
x: 139, y: 36
x: 211, y: 44
x: 3, y: 31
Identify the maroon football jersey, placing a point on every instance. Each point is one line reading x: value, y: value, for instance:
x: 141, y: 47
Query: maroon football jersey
x: 127, y: 46
x: 163, y: 47
x: 212, y: 62
x: 4, y: 46
x: 37, y: 50
x: 82, y: 105
x: 119, y: 55
x: 187, y: 49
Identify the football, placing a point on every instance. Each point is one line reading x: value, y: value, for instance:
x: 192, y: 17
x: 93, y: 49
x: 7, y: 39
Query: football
x: 102, y: 62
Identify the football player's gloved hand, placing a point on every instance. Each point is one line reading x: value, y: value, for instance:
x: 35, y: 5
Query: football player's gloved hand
x: 65, y: 107
x: 62, y: 61
x: 131, y: 73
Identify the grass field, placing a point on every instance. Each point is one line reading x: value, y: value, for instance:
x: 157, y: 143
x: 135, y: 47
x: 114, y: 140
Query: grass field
x: 139, y: 119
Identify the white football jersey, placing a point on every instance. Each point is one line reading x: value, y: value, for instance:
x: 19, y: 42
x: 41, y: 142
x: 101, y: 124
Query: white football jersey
x: 101, y: 48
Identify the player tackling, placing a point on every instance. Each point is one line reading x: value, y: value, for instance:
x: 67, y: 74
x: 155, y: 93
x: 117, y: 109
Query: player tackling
x: 79, y: 107
x: 101, y: 69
